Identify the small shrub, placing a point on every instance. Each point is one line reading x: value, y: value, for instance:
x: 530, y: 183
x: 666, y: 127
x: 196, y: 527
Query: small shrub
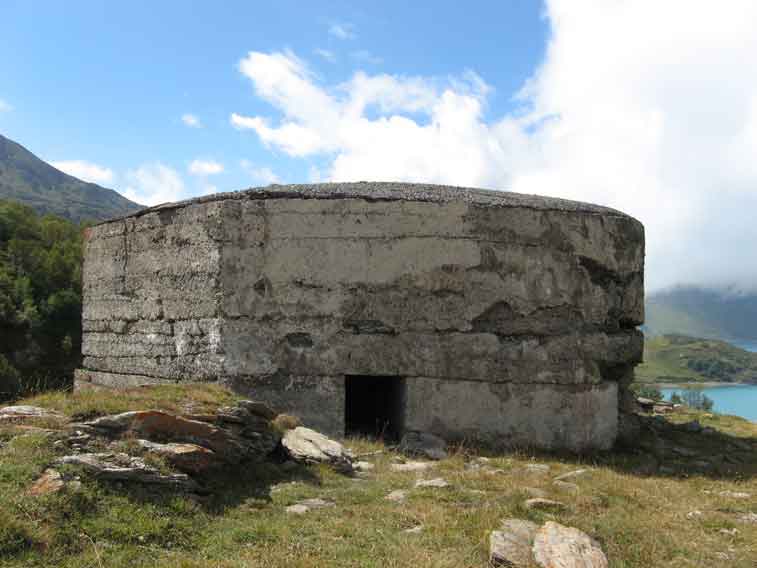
x: 284, y: 422
x: 15, y: 536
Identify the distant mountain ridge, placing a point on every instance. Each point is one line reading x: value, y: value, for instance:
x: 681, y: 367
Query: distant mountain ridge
x: 26, y: 178
x: 702, y: 312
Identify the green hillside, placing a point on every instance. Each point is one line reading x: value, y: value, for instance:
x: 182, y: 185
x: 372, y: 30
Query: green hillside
x: 31, y: 181
x: 678, y: 358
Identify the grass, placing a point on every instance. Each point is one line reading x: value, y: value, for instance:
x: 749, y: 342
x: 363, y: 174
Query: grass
x: 682, y: 359
x: 639, y: 519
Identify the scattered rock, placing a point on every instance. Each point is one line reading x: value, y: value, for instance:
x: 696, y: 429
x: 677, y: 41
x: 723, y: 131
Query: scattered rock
x: 412, y: 466
x: 363, y: 466
x: 424, y: 444
x: 189, y: 458
x: 534, y: 469
x: 122, y: 467
x: 436, y: 482
x: 535, y: 492
x: 542, y: 504
x: 309, y: 504
x: 750, y: 518
x: 566, y: 486
x: 558, y: 546
x: 49, y: 482
x: 308, y: 446
x: 735, y: 494
x: 571, y: 475
x: 415, y: 530
x: 481, y: 465
x: 18, y: 414
x: 398, y: 496
x: 297, y: 509
x: 511, y: 545
x: 729, y: 532
x: 695, y: 514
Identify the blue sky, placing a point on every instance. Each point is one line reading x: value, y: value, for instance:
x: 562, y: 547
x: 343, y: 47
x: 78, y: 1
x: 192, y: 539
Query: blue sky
x: 646, y: 106
x: 108, y: 83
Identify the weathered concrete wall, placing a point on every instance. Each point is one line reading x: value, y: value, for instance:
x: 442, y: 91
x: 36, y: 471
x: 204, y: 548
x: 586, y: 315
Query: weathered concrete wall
x: 512, y: 318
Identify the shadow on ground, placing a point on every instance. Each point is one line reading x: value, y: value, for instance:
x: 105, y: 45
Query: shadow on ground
x: 665, y: 448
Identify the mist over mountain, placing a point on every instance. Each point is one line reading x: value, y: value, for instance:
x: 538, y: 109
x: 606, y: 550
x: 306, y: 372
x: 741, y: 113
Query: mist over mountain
x: 728, y: 313
x: 27, y: 179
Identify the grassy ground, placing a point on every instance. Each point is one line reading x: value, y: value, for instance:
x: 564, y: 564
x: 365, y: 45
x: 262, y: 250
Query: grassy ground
x: 681, y: 359
x: 638, y: 514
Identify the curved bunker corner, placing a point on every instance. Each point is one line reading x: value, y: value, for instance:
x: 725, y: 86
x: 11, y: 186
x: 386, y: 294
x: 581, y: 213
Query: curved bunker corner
x: 506, y: 318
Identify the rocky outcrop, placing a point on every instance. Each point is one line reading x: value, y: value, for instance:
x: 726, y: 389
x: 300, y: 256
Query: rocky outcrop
x: 193, y: 445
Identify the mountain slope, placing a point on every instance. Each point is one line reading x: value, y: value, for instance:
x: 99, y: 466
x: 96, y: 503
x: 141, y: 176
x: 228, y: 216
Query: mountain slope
x: 700, y: 312
x: 26, y: 178
x: 677, y: 358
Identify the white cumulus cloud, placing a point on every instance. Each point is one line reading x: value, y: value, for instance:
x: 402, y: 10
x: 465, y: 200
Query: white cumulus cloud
x: 86, y: 171
x: 205, y: 167
x: 155, y: 183
x: 635, y: 106
x: 191, y: 120
x: 262, y: 175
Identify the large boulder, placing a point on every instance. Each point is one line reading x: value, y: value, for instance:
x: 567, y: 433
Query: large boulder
x: 308, y: 446
x: 558, y: 546
x: 511, y: 545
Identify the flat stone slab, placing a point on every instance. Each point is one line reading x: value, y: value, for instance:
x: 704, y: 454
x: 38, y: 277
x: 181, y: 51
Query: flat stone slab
x: 21, y: 413
x: 437, y: 482
x: 122, y: 467
x: 412, y: 466
x: 398, y: 496
x: 306, y: 505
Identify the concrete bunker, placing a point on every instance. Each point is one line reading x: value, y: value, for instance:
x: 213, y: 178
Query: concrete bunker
x: 366, y: 307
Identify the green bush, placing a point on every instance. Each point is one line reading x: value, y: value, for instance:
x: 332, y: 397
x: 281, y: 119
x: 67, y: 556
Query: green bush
x: 40, y: 299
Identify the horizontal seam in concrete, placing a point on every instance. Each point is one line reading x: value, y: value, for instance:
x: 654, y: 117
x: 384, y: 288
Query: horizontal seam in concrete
x: 222, y: 378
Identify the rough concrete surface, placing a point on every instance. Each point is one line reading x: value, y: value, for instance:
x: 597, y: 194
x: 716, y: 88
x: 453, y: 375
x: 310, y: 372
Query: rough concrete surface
x: 508, y: 318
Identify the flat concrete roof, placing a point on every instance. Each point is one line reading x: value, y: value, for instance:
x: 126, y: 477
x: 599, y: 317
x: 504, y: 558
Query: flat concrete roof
x: 393, y: 191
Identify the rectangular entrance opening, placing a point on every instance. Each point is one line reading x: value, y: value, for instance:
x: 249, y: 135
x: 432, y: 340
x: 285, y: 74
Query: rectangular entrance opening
x: 374, y: 406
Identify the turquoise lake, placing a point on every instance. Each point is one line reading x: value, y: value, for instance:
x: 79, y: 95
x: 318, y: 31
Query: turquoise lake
x: 739, y: 400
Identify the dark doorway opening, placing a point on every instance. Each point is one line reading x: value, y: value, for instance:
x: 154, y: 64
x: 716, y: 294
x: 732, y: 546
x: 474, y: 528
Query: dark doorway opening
x: 374, y: 406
